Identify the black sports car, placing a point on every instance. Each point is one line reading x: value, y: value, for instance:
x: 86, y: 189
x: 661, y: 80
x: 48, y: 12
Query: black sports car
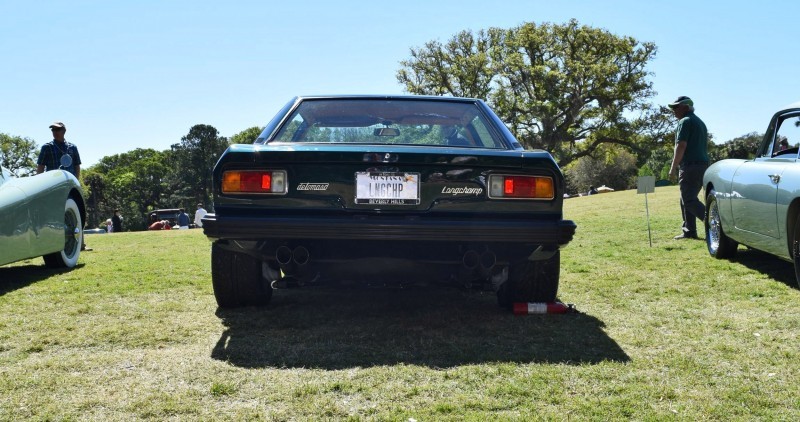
x: 386, y: 190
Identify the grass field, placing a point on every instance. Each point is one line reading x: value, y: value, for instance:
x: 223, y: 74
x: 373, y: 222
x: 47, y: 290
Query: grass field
x: 662, y: 333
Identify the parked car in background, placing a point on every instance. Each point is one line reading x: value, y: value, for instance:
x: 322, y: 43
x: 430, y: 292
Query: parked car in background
x: 386, y: 191
x: 167, y: 214
x: 757, y: 202
x: 41, y: 215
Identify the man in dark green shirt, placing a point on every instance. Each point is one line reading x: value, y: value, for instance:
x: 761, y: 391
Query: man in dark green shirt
x: 689, y: 163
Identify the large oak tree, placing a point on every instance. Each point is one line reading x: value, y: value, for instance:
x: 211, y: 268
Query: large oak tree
x: 565, y: 88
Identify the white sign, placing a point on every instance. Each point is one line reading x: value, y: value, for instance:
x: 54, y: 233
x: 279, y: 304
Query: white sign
x: 646, y: 184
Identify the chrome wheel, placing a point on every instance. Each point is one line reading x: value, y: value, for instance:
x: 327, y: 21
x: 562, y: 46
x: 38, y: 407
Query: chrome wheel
x: 714, y: 229
x: 72, y: 233
x: 719, y: 245
x: 73, y: 236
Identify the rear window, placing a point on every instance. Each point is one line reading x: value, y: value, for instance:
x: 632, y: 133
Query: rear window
x: 396, y: 122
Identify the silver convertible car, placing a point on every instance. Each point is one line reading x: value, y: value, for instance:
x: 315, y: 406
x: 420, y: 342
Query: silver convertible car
x: 757, y: 202
x: 43, y: 216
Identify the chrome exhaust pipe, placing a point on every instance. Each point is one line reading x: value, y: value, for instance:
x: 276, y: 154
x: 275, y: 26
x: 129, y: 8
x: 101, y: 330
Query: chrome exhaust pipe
x: 469, y: 266
x: 284, y: 257
x: 470, y: 260
x: 487, y: 262
x: 300, y: 255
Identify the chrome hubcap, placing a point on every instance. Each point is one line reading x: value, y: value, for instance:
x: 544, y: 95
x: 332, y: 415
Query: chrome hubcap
x: 72, y: 233
x: 714, y: 230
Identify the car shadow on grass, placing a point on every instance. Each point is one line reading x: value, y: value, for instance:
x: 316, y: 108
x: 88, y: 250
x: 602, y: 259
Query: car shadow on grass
x: 433, y: 327
x: 21, y: 276
x: 765, y: 263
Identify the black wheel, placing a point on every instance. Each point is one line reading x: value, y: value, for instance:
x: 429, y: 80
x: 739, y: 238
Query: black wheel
x: 796, y: 252
x: 719, y: 245
x: 531, y: 281
x: 73, y: 236
x: 237, y: 280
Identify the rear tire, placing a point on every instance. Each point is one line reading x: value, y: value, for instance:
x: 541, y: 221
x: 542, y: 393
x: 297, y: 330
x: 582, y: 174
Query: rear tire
x: 237, y: 280
x: 531, y: 281
x: 73, y: 236
x: 719, y: 245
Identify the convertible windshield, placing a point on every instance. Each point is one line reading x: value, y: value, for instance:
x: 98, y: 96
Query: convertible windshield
x: 397, y: 122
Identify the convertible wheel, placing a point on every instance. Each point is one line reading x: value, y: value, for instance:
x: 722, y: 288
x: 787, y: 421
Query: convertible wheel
x: 531, y: 281
x: 719, y: 245
x: 796, y: 252
x: 73, y: 236
x: 237, y: 280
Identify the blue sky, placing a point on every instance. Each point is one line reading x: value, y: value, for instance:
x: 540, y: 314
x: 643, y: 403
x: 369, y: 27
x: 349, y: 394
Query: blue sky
x: 125, y: 75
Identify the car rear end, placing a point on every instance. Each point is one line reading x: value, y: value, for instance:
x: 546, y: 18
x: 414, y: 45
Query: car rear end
x: 422, y: 190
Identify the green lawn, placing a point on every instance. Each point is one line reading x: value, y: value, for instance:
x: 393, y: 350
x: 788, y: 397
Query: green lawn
x: 662, y: 332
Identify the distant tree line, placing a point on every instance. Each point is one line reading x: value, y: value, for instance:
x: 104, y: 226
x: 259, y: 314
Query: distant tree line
x: 143, y: 180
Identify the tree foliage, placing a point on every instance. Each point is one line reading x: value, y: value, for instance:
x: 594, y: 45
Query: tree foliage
x: 133, y: 182
x: 247, y: 136
x: 743, y: 147
x: 142, y: 180
x: 18, y: 155
x: 565, y: 88
x: 614, y: 167
x: 195, y: 156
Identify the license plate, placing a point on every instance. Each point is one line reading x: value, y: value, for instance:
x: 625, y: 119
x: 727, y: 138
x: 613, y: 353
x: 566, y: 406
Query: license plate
x: 387, y: 188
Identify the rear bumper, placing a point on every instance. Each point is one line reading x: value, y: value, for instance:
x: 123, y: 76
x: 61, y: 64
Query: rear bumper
x: 548, y: 232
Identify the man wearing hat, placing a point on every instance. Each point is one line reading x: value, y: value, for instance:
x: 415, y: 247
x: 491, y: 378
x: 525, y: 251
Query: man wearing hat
x: 689, y: 163
x: 52, y: 152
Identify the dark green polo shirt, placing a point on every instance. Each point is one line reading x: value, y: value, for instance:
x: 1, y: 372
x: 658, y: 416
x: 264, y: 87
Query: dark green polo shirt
x: 692, y: 130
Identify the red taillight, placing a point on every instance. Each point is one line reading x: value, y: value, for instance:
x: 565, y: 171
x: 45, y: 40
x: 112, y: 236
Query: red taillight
x: 254, y: 181
x: 266, y: 181
x: 523, y: 187
x: 508, y: 189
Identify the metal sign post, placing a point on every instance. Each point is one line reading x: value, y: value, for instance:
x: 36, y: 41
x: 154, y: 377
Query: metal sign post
x: 645, y: 185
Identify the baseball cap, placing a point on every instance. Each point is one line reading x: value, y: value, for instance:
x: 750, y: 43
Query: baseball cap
x: 682, y: 100
x: 58, y: 125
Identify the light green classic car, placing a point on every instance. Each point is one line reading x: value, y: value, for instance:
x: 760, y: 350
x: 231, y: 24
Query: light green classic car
x: 43, y: 216
x: 756, y: 202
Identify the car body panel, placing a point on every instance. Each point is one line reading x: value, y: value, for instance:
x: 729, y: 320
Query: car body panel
x: 449, y: 176
x: 758, y: 198
x: 755, y: 207
x: 32, y: 213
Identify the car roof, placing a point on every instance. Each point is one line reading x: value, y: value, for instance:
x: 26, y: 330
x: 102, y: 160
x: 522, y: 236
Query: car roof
x: 387, y: 97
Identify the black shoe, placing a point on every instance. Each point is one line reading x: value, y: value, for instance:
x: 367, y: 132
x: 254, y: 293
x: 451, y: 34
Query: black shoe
x: 686, y: 235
